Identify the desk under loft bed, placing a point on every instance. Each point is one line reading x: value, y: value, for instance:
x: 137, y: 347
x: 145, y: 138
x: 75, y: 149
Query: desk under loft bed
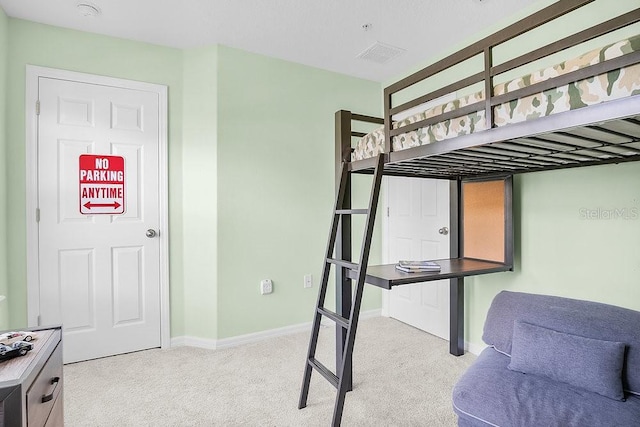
x: 580, y: 112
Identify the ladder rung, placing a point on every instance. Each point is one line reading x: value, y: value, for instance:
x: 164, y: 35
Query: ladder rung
x: 324, y: 371
x: 345, y: 264
x: 334, y: 316
x: 352, y: 211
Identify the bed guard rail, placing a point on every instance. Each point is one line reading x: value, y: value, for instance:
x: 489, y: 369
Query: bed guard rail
x: 485, y: 47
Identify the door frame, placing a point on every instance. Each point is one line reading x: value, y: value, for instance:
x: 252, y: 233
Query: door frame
x: 33, y: 73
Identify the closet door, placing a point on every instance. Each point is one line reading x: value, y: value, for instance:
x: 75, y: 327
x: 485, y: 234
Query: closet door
x: 99, y: 251
x: 418, y: 213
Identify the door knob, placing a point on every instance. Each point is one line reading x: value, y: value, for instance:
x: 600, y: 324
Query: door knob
x: 151, y: 233
x: 444, y: 231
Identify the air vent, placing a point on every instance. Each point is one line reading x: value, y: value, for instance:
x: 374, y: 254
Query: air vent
x: 88, y: 9
x: 380, y: 53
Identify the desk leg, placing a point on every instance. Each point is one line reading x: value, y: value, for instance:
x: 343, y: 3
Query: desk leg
x: 456, y: 316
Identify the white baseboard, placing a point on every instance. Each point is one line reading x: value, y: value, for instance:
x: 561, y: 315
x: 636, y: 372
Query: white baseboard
x: 256, y: 336
x: 474, y: 348
x: 188, y: 341
x: 262, y: 335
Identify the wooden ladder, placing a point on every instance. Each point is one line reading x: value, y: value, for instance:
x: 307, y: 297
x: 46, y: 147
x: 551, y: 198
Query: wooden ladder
x: 341, y: 380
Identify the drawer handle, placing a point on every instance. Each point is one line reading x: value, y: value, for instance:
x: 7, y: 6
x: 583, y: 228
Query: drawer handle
x: 48, y: 397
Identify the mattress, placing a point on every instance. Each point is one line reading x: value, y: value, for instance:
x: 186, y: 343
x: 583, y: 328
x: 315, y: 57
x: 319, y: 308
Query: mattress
x: 608, y: 86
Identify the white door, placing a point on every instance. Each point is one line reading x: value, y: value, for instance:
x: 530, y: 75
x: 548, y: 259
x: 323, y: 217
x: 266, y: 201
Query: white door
x: 417, y: 209
x: 99, y: 275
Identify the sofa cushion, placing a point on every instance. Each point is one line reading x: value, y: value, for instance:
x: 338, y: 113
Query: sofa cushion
x: 593, y: 365
x: 488, y: 393
x: 584, y: 318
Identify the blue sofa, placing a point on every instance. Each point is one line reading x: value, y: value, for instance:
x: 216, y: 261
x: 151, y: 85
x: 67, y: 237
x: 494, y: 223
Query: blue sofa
x: 553, y: 361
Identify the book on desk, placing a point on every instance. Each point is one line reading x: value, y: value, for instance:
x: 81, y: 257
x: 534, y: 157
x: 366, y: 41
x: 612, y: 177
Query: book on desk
x: 423, y: 266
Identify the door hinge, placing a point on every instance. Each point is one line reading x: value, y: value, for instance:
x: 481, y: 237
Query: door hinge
x: 37, y: 107
x: 37, y: 214
x: 38, y: 320
x: 387, y: 210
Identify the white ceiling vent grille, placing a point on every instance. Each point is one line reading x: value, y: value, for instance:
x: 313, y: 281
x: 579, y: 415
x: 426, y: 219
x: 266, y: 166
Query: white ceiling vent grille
x: 88, y: 9
x: 380, y: 53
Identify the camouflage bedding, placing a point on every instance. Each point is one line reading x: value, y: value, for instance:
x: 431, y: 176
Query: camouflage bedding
x: 604, y: 87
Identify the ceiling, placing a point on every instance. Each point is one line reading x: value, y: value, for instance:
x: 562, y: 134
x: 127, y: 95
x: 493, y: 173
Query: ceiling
x: 327, y: 34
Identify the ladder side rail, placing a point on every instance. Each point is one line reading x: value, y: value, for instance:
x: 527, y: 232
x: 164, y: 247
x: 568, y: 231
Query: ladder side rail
x: 326, y: 268
x: 345, y: 374
x: 343, y: 247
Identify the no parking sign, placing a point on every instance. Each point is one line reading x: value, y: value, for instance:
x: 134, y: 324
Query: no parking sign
x: 101, y: 184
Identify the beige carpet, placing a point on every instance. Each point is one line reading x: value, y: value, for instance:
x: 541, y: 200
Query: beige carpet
x: 402, y: 377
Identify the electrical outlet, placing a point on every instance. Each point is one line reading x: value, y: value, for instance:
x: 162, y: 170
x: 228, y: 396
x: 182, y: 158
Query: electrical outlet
x: 308, y: 281
x: 266, y: 286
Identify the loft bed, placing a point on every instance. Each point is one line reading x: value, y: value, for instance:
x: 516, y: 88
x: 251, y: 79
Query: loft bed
x: 528, y: 132
x: 581, y: 112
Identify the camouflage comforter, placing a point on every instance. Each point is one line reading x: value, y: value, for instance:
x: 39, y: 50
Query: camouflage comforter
x: 604, y: 87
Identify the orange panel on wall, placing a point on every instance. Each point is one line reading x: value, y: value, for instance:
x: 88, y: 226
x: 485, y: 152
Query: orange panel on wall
x: 483, y: 220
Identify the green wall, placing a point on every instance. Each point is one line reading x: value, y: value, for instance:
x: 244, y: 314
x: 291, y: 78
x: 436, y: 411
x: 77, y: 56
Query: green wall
x: 250, y: 172
x: 4, y: 46
x: 199, y: 192
x: 276, y: 185
x: 557, y: 251
x: 48, y: 46
x: 570, y: 240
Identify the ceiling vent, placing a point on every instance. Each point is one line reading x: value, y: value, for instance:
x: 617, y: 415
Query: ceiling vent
x: 380, y: 53
x: 88, y: 9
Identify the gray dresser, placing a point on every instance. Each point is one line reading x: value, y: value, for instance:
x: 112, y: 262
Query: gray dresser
x: 31, y: 385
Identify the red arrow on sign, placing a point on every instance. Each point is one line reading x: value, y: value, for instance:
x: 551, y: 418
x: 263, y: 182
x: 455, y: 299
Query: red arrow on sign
x: 114, y: 205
